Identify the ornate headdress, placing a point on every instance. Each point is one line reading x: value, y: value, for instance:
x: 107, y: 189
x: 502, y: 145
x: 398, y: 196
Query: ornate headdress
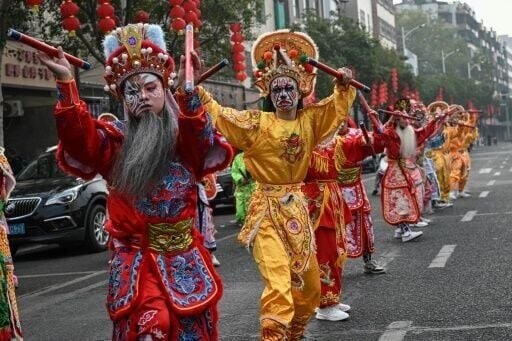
x: 437, y: 107
x: 403, y: 104
x: 135, y: 49
x: 281, y: 53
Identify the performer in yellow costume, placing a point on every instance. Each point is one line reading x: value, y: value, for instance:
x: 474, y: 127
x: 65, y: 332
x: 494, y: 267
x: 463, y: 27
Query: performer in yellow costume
x: 278, y: 143
x: 458, y: 162
x: 440, y: 154
x: 470, y: 133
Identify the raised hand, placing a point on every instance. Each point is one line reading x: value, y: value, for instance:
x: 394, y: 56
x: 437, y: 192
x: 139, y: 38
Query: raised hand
x: 346, y: 76
x: 198, y: 66
x: 60, y: 67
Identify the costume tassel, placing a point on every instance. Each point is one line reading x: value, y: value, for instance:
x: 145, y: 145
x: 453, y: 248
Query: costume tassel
x: 320, y: 163
x: 339, y: 155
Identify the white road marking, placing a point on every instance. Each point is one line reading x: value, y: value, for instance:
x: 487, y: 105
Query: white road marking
x: 35, y: 306
x: 501, y: 167
x: 58, y: 274
x: 510, y: 169
x: 497, y: 174
x: 468, y: 216
x: 492, y: 182
x: 396, y: 331
x: 226, y: 237
x: 485, y: 170
x: 61, y: 285
x: 463, y: 327
x: 484, y: 194
x: 442, y: 257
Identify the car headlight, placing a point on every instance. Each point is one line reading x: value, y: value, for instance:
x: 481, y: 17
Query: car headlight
x: 63, y: 198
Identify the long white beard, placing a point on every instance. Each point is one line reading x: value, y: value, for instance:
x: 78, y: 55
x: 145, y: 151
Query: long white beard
x: 408, y: 141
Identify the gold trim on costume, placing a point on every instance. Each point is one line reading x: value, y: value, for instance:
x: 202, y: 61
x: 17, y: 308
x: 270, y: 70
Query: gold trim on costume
x: 347, y: 176
x: 167, y: 237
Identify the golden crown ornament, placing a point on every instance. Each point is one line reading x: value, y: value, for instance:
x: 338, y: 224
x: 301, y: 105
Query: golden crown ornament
x: 132, y: 49
x: 284, y: 53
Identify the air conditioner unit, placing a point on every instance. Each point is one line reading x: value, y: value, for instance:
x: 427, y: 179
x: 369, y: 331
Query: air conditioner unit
x: 13, y: 108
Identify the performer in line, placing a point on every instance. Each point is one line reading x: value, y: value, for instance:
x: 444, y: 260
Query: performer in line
x: 244, y: 186
x: 329, y: 214
x: 278, y: 143
x: 402, y: 185
x: 440, y: 154
x: 163, y: 285
x: 459, y: 163
x: 359, y: 231
x: 10, y: 327
x: 470, y: 132
x: 207, y: 191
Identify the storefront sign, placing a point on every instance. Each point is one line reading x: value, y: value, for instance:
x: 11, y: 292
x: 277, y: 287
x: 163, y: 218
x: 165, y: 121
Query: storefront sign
x: 21, y: 67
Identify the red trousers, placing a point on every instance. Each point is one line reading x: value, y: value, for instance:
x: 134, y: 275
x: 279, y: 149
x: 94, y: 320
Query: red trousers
x: 330, y: 273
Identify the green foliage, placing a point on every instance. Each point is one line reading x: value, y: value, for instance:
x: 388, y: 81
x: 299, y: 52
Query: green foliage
x: 213, y: 36
x: 341, y: 42
x: 429, y: 43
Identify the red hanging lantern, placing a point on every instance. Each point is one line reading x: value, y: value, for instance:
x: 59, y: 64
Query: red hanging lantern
x: 177, y: 12
x: 105, y: 10
x: 106, y: 24
x: 235, y: 27
x: 71, y: 24
x: 178, y: 25
x: 198, y: 23
x: 238, y: 57
x: 106, y: 13
x: 237, y: 37
x: 33, y: 5
x: 189, y: 5
x: 241, y: 76
x: 240, y: 66
x: 374, y: 101
x: 69, y: 11
x: 141, y: 16
x: 394, y: 79
x: 190, y: 17
x: 237, y: 48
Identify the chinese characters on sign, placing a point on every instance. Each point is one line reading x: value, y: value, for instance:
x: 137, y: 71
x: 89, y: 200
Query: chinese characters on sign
x: 21, y: 67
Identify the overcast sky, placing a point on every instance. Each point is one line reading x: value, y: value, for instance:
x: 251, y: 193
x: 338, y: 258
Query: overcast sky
x: 494, y: 13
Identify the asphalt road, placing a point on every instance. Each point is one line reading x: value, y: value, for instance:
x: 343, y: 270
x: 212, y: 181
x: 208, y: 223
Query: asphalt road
x: 454, y: 283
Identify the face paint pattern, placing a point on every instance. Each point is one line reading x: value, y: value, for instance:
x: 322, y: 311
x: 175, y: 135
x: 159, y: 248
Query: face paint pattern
x: 143, y: 92
x: 284, y: 93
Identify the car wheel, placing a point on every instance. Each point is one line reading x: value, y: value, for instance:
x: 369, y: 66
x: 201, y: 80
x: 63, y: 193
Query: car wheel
x: 96, y: 235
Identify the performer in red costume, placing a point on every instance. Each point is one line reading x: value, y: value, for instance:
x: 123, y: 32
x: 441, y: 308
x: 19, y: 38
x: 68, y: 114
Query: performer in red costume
x: 402, y: 184
x: 163, y: 285
x: 329, y: 214
x: 359, y: 231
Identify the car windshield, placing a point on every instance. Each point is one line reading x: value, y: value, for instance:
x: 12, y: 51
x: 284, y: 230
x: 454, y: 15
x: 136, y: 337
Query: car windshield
x: 44, y: 167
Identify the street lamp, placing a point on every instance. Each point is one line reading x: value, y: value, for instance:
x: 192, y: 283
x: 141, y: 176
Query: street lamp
x: 444, y: 56
x: 471, y: 67
x: 405, y: 34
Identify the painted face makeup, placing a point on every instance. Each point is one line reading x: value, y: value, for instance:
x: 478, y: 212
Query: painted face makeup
x: 284, y: 93
x: 144, y: 92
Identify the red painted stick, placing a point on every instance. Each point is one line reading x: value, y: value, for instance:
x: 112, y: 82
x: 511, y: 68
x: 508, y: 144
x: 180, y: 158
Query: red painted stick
x: 329, y: 70
x: 48, y: 49
x: 189, y: 69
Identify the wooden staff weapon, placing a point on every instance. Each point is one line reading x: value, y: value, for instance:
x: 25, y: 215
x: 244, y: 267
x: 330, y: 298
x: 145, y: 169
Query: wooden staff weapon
x: 329, y: 70
x: 398, y: 114
x: 48, y: 49
x: 377, y: 124
x: 214, y: 69
x: 367, y: 137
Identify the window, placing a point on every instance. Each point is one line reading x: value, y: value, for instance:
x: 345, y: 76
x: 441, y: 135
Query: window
x: 280, y: 14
